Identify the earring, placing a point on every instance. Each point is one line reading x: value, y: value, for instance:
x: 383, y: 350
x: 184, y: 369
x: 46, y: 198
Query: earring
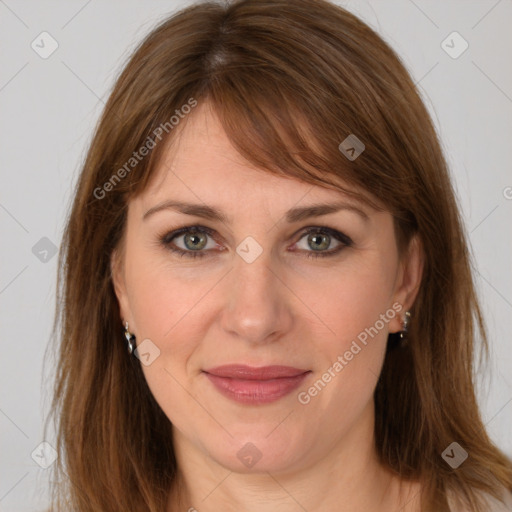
x: 403, y: 332
x: 130, y: 338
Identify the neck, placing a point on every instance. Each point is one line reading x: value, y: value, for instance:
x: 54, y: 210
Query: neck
x: 347, y: 477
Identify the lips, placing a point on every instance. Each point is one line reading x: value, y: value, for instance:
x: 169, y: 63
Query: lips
x: 251, y: 385
x: 240, y: 371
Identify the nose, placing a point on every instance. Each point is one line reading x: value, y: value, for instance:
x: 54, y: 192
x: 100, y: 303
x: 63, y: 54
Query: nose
x: 257, y: 301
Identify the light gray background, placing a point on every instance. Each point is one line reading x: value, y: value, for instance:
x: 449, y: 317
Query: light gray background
x: 50, y: 106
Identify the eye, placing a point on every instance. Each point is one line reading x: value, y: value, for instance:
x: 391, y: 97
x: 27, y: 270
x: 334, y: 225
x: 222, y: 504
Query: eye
x: 320, y: 238
x: 194, y: 241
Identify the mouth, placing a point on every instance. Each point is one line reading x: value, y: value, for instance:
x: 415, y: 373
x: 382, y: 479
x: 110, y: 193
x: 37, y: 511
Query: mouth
x: 255, y: 385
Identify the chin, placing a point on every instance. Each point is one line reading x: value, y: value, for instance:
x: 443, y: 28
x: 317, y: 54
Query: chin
x: 258, y: 454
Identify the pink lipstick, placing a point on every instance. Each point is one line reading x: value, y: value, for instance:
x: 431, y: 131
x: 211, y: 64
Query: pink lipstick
x: 255, y: 385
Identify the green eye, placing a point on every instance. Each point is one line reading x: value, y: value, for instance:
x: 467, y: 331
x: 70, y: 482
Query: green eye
x: 195, y: 240
x: 320, y: 238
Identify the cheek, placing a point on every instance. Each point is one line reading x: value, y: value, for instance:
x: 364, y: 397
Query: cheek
x: 165, y: 308
x: 162, y: 297
x: 355, y: 304
x: 351, y: 299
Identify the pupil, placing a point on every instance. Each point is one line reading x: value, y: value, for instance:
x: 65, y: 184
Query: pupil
x: 318, y: 239
x: 195, y: 240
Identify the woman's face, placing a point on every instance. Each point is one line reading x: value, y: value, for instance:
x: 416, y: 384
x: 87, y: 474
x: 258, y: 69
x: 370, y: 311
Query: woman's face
x: 253, y: 297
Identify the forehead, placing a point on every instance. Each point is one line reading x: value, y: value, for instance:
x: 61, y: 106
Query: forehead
x: 201, y: 165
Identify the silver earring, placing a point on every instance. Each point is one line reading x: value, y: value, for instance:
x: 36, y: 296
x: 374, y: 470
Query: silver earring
x: 405, y: 325
x: 130, y: 338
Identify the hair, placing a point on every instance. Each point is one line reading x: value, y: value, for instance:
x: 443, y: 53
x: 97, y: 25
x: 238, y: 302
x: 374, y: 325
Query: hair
x: 289, y: 82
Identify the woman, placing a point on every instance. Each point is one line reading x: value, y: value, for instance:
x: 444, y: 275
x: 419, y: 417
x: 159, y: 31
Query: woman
x: 266, y: 294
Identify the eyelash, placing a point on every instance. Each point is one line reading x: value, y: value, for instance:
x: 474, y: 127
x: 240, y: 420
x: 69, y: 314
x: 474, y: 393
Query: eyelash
x: 167, y: 238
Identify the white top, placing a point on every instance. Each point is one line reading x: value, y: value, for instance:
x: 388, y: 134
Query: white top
x: 493, y: 504
x: 496, y: 506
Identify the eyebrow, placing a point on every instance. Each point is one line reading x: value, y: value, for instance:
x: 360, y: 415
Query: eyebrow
x: 293, y: 215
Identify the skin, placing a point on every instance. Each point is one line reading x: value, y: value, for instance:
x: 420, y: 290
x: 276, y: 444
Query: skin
x: 283, y: 308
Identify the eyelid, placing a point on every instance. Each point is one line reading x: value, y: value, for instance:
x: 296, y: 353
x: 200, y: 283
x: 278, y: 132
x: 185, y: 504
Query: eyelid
x: 169, y: 236
x: 174, y: 233
x: 340, y: 236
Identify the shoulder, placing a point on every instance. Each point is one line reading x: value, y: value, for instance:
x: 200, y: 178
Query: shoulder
x: 492, y: 504
x: 498, y: 506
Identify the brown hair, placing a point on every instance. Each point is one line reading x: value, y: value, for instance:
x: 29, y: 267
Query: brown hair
x: 289, y: 82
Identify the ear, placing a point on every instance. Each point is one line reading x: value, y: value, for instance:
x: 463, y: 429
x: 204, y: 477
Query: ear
x: 408, y: 281
x: 119, y: 283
